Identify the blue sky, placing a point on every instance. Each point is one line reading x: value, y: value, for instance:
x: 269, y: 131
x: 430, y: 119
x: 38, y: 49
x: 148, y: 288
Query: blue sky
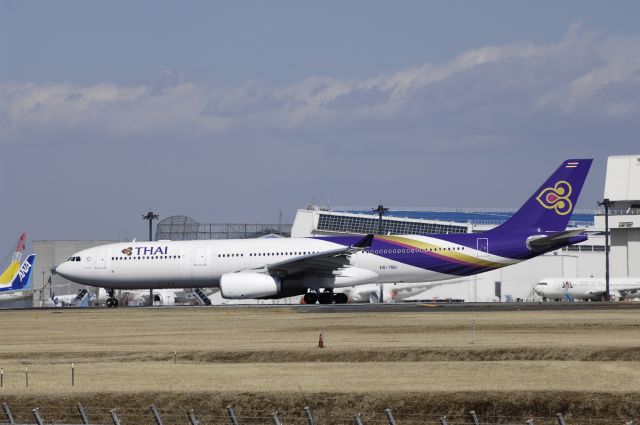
x: 230, y: 111
x: 232, y: 42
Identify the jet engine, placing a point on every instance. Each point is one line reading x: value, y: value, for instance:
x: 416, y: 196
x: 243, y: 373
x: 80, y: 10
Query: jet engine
x: 248, y: 285
x: 163, y: 298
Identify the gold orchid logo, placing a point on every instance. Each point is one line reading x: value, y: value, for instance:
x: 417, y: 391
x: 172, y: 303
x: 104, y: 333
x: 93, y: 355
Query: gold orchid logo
x: 557, y: 198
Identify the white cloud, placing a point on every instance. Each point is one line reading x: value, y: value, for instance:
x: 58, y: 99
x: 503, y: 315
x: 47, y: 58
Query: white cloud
x: 488, y: 95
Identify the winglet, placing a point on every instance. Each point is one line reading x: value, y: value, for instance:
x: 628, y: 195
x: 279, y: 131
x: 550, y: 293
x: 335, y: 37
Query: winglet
x: 364, y: 243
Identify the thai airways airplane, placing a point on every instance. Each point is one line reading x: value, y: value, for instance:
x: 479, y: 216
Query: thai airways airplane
x: 315, y: 266
x: 16, y: 278
x: 591, y: 288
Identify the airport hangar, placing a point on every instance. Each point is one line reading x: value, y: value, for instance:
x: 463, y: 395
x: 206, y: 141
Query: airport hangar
x: 515, y: 282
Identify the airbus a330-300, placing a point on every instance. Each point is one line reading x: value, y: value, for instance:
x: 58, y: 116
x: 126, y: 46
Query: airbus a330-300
x: 314, y: 266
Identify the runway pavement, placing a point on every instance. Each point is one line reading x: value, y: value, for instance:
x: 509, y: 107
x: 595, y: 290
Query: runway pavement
x: 469, y: 307
x: 425, y: 307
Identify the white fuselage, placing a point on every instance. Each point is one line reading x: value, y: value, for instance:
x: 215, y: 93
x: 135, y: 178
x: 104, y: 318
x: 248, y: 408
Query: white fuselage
x: 387, y: 292
x: 188, y: 264
x: 15, y: 295
x: 586, y: 288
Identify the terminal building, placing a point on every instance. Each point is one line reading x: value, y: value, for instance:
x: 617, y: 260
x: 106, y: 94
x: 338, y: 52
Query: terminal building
x: 622, y: 189
x: 511, y: 283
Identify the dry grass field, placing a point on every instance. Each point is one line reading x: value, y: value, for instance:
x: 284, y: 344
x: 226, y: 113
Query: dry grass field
x: 528, y: 363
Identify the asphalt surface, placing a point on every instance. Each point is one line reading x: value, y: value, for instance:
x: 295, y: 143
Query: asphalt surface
x: 407, y: 307
x: 469, y: 307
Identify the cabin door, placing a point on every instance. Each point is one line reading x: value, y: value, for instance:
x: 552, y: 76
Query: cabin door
x: 483, y: 247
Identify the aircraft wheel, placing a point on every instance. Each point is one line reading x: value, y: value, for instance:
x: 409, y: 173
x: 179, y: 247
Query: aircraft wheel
x: 325, y: 298
x: 115, y: 302
x: 310, y: 298
x: 340, y: 298
x: 111, y: 302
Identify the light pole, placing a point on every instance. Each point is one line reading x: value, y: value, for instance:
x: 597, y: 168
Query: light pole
x: 380, y: 210
x: 606, y: 203
x: 150, y: 216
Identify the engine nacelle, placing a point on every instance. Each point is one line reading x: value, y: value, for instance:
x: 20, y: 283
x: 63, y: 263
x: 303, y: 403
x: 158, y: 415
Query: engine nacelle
x: 164, y: 299
x: 241, y: 286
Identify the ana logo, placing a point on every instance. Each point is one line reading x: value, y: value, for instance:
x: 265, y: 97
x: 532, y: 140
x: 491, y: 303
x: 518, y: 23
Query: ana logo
x: 557, y: 198
x: 24, y: 269
x: 127, y: 251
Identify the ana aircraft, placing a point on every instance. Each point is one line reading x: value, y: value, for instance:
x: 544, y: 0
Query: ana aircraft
x: 592, y: 288
x: 141, y: 297
x: 83, y: 298
x: 16, y: 278
x: 315, y: 266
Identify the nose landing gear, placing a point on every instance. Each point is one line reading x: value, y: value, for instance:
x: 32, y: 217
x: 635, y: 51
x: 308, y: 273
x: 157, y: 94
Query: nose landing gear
x: 112, y: 301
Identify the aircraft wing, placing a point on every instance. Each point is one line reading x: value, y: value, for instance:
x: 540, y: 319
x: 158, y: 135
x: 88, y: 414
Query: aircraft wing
x: 322, y: 263
x: 548, y: 241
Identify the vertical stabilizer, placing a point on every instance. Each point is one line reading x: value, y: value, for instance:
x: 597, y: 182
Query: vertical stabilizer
x: 17, y: 255
x: 549, y: 208
x: 22, y: 277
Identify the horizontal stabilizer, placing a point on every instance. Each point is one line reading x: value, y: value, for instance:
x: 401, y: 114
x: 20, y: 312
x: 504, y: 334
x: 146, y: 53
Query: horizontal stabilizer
x: 541, y: 243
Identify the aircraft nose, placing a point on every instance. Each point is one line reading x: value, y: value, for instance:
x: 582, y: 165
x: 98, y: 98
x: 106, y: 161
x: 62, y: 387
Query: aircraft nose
x: 538, y: 290
x: 63, y: 270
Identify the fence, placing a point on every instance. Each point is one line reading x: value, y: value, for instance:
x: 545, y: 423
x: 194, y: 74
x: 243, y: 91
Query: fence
x: 228, y: 416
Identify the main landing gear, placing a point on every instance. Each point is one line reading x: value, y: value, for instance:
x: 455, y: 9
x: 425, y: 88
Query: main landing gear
x: 311, y: 297
x: 325, y: 297
x: 112, y: 301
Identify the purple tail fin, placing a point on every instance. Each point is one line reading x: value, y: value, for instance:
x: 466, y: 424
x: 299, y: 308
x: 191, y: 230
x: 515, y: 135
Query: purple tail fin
x: 550, y: 207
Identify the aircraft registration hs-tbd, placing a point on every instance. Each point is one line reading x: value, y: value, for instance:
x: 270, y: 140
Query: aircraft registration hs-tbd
x: 315, y: 266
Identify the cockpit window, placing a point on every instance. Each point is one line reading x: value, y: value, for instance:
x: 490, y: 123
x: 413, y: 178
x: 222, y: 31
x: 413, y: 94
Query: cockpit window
x: 543, y: 283
x: 77, y: 258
